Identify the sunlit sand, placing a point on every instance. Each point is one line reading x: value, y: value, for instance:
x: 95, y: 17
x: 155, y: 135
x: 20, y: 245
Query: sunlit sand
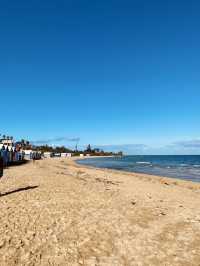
x: 55, y: 212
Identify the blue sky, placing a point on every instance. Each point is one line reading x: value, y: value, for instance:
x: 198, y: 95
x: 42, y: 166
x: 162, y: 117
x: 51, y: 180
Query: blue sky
x: 110, y: 72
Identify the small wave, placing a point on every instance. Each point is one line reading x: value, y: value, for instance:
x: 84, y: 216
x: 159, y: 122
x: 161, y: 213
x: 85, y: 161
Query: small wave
x: 143, y: 162
x: 196, y: 165
x: 183, y: 164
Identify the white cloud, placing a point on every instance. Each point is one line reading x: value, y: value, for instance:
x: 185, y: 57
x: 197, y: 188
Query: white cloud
x: 194, y: 143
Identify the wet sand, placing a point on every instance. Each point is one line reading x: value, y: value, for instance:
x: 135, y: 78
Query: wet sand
x: 55, y: 212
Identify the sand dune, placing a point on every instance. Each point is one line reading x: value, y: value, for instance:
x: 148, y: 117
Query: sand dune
x: 55, y: 212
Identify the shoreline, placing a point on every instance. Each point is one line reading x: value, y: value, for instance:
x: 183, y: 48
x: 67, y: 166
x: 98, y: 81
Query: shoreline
x: 56, y: 211
x: 171, y: 180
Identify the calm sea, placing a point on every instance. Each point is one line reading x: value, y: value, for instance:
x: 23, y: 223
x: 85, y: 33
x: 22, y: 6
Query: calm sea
x: 178, y: 166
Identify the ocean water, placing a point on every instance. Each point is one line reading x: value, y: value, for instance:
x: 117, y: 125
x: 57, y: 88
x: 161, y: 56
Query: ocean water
x: 176, y: 166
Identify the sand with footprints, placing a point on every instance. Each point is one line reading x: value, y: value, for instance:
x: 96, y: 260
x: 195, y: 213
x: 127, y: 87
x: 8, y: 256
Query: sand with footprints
x: 55, y: 212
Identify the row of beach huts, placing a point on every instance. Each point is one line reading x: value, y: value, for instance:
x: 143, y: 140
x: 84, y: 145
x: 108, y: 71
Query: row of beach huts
x: 66, y: 155
x: 14, y: 153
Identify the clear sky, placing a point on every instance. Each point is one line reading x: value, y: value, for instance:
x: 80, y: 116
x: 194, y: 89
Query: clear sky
x: 109, y: 72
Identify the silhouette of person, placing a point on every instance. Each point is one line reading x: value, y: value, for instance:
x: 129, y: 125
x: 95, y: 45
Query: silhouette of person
x: 1, y: 165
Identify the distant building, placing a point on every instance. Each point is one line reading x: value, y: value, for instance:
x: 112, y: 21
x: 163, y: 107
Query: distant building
x: 57, y: 154
x: 28, y: 154
x: 64, y: 154
x: 32, y: 155
x: 48, y: 154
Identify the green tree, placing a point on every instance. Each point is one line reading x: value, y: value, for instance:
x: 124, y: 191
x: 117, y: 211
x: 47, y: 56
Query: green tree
x: 89, y: 149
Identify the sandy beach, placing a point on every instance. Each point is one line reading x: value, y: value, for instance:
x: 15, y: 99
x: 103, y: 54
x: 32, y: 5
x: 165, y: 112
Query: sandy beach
x: 56, y: 212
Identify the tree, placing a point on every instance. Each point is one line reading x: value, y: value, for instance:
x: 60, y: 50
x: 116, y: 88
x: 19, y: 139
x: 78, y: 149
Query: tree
x: 89, y: 149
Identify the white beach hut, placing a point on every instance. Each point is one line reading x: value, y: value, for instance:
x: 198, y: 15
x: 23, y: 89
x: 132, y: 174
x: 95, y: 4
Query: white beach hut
x: 48, y: 154
x: 28, y: 154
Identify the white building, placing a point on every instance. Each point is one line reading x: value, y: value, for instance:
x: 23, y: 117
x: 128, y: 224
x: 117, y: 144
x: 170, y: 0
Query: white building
x: 28, y: 154
x: 64, y: 154
x: 48, y: 154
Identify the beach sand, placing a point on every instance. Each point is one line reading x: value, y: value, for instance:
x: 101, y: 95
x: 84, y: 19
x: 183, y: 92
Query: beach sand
x: 55, y: 212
